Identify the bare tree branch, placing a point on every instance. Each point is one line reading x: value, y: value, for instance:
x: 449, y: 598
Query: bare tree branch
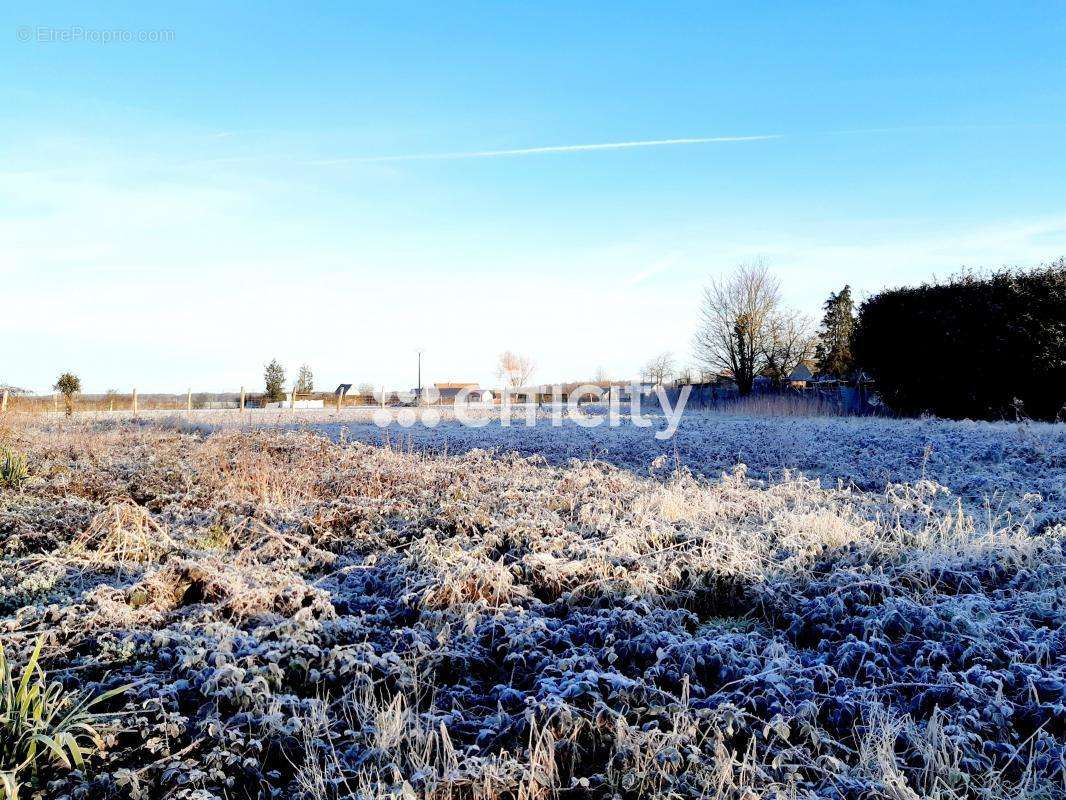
x: 789, y: 342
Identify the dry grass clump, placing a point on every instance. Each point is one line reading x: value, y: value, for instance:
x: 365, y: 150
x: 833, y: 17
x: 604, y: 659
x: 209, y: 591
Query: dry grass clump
x: 261, y: 469
x: 122, y: 534
x: 444, y: 577
x: 304, y: 618
x: 240, y: 591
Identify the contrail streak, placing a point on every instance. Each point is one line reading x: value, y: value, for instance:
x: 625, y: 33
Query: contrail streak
x: 533, y: 151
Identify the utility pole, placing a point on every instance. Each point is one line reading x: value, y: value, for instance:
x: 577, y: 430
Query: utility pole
x: 419, y: 351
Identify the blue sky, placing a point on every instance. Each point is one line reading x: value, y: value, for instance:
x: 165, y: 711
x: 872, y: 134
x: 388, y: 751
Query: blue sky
x: 176, y: 213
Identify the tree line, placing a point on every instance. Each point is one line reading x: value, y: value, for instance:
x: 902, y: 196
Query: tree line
x: 746, y: 331
x: 981, y: 346
x: 274, y: 380
x: 986, y: 346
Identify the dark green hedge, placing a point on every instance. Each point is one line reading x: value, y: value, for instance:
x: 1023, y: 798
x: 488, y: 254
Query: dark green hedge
x: 971, y: 346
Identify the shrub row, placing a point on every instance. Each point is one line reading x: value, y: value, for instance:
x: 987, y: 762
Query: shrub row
x: 980, y: 347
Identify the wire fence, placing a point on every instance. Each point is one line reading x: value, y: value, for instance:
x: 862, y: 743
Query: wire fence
x: 833, y: 401
x: 134, y: 401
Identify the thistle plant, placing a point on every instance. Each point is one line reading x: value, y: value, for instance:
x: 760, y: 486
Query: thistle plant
x: 42, y: 724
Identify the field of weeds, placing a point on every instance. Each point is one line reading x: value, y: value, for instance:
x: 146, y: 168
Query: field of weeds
x: 285, y: 614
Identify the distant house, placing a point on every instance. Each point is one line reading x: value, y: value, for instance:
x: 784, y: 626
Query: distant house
x: 580, y: 392
x: 801, y: 376
x: 723, y: 380
x: 627, y: 392
x: 591, y: 392
x: 447, y: 392
x: 471, y: 392
x: 525, y: 394
x: 576, y: 392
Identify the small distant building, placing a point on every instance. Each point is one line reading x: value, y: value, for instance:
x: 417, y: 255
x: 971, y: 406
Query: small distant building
x: 577, y: 392
x: 627, y: 392
x: 449, y: 392
x: 724, y: 380
x: 801, y: 376
x: 527, y: 394
x: 591, y: 392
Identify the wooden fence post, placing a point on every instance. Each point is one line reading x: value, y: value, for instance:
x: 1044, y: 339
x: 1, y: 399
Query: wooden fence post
x: 134, y: 401
x: 55, y: 403
x: 3, y: 402
x: 292, y: 399
x: 340, y: 394
x: 242, y: 398
x: 188, y: 401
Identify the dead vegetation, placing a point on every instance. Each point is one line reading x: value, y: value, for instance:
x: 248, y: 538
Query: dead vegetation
x: 301, y: 618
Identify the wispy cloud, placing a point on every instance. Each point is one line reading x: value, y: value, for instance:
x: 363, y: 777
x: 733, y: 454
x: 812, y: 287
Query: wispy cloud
x: 536, y: 151
x: 582, y: 148
x: 657, y: 268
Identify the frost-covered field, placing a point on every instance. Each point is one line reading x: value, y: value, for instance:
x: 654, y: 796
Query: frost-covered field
x: 586, y: 613
x: 1000, y: 462
x: 997, y: 462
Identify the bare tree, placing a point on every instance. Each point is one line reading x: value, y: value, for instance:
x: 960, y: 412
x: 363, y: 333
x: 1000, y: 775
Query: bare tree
x: 305, y: 381
x: 602, y: 376
x: 660, y: 369
x: 734, y: 320
x: 789, y: 342
x: 513, y: 370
